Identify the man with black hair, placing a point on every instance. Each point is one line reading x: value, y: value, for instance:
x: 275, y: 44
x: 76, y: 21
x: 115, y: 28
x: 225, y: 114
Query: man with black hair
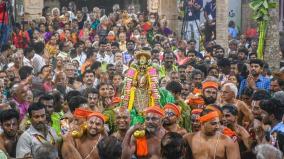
x: 48, y: 101
x: 91, y: 58
x: 256, y: 98
x: 182, y: 73
x: 92, y: 96
x: 77, y: 102
x: 168, y: 64
x: 219, y: 53
x: 175, y: 88
x: 25, y: 73
x: 102, y: 56
x: 242, y: 54
x: 209, y: 142
x: 80, y: 54
x: 110, y: 148
x: 255, y: 80
x: 111, y: 70
x: 9, y: 120
x: 230, y: 115
x: 275, y: 85
x: 129, y: 54
x: 88, y: 80
x: 172, y: 146
x: 224, y: 67
x: 37, y: 134
x: 33, y: 60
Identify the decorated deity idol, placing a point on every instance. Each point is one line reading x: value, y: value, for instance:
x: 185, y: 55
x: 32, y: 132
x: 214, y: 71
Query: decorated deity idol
x: 141, y: 87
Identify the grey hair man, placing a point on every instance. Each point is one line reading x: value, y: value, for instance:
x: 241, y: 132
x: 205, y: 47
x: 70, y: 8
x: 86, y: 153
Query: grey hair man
x: 265, y: 151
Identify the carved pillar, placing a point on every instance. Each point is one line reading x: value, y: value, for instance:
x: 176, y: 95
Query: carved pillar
x: 222, y: 23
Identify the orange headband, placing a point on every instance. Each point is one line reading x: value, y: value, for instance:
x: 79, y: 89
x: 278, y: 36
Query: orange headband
x: 173, y: 107
x: 81, y: 113
x: 196, y: 111
x: 195, y: 101
x: 155, y: 109
x: 97, y: 114
x: 210, y: 84
x: 210, y: 107
x: 208, y: 117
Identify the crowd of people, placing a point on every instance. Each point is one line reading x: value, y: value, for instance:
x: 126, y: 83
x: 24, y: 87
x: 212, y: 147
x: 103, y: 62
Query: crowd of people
x: 79, y: 84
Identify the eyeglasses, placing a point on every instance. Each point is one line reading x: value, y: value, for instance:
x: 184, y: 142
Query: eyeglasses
x: 169, y: 114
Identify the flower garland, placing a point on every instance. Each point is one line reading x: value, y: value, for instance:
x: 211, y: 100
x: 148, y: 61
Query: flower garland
x: 129, y: 94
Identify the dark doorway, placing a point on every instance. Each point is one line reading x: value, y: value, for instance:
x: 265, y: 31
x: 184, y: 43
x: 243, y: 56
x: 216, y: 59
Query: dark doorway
x: 105, y: 4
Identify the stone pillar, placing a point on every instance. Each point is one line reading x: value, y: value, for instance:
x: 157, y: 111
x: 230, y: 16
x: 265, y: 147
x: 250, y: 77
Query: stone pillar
x: 168, y: 8
x: 272, y: 53
x: 222, y: 20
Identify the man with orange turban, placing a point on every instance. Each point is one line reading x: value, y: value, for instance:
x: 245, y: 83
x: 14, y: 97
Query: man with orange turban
x: 148, y: 145
x: 208, y: 142
x: 86, y: 145
x: 209, y: 92
x: 172, y: 115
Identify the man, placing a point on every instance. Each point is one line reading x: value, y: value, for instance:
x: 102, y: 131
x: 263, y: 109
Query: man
x: 168, y: 65
x: 275, y: 85
x: 129, y: 54
x: 174, y: 76
x: 33, y: 60
x: 209, y: 92
x: 70, y: 71
x: 210, y: 16
x: 92, y: 96
x: 228, y: 96
x: 46, y: 151
x: 88, y: 79
x: 37, y: 134
x: 172, y: 146
x: 53, y: 118
x: 9, y: 120
x: 172, y: 115
x: 19, y: 92
x: 257, y: 96
x: 192, y: 18
x: 209, y: 142
x: 102, y: 56
x: 195, y: 114
x: 80, y: 54
x: 182, y: 73
x: 85, y: 146
x: 91, y: 58
x: 224, y: 66
x: 147, y: 146
x: 122, y: 121
x: 255, y: 80
x: 111, y: 71
x: 230, y: 115
x: 242, y: 54
x: 175, y: 89
x: 193, y: 45
x: 197, y: 77
x: 110, y: 148
x: 267, y: 151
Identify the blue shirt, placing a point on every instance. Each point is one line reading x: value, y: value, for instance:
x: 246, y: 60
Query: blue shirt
x: 127, y: 57
x: 210, y: 9
x: 261, y: 83
x: 233, y: 32
x: 192, y: 13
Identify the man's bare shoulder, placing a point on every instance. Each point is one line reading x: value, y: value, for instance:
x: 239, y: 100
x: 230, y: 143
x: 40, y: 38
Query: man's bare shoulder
x: 188, y: 136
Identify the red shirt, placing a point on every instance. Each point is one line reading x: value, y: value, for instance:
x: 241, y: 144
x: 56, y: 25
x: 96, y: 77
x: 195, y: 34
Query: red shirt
x: 3, y: 18
x: 21, y: 40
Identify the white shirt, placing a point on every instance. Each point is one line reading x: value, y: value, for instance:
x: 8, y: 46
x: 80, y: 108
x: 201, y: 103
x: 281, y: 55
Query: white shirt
x: 37, y: 62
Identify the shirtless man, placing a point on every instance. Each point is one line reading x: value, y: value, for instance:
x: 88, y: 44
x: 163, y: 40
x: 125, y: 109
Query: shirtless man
x: 228, y: 95
x: 85, y: 147
x: 209, y: 143
x: 122, y: 121
x: 170, y: 122
x: 230, y: 120
x: 149, y: 145
x: 8, y: 139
